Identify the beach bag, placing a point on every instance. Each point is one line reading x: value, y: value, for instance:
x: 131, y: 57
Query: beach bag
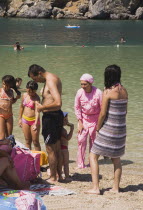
x: 27, y: 164
x: 43, y: 157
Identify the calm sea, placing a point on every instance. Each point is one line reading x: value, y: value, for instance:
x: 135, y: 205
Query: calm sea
x: 71, y: 52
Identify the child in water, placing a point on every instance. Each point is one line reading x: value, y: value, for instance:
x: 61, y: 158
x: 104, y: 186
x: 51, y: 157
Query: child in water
x: 29, y: 117
x: 64, y: 145
x: 17, y: 46
x: 6, y: 100
x: 18, y: 82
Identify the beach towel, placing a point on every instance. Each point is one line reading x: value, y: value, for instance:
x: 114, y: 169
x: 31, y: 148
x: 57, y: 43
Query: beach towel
x: 20, y: 200
x: 48, y: 189
x: 27, y: 201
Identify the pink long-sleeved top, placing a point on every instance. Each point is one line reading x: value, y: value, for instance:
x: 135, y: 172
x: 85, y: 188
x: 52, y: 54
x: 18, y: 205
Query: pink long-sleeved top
x: 88, y: 105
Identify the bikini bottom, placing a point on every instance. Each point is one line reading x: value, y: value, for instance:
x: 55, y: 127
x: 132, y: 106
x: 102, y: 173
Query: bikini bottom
x: 6, y: 116
x: 29, y: 120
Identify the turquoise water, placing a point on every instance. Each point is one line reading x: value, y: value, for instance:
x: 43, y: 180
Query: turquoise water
x: 66, y: 57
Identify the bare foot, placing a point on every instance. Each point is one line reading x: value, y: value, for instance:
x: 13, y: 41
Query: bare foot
x: 52, y: 181
x: 92, y: 191
x: 113, y: 191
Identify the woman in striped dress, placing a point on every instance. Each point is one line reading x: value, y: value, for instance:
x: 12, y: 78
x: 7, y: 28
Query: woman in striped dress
x: 111, y: 128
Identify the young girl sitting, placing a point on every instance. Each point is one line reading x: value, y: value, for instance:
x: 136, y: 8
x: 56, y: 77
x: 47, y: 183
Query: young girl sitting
x: 29, y: 117
x: 6, y: 101
x: 64, y: 145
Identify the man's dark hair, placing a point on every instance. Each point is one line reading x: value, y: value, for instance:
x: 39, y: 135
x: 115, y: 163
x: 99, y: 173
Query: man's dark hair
x: 112, y: 75
x: 32, y: 85
x: 35, y: 69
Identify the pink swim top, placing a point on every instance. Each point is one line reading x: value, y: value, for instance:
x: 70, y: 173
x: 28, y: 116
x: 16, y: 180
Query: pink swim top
x: 4, y: 96
x: 29, y: 104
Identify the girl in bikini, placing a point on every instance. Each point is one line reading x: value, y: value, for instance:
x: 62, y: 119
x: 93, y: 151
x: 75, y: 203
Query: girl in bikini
x: 6, y: 101
x: 29, y: 117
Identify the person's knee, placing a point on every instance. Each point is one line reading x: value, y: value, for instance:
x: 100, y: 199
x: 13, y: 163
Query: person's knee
x: 116, y: 161
x: 49, y: 148
x: 28, y: 141
x: 93, y: 157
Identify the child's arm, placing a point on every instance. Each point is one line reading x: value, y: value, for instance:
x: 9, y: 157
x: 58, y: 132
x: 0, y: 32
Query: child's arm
x: 17, y: 96
x: 21, y: 112
x: 69, y: 135
x: 37, y: 116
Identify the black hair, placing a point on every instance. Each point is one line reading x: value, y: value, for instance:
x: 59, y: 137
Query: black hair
x: 112, y: 75
x: 10, y: 80
x: 18, y: 45
x: 32, y: 85
x: 18, y: 79
x: 35, y: 69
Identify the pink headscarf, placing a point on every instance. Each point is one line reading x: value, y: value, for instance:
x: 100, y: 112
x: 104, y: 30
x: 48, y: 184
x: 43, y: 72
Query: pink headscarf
x: 87, y: 77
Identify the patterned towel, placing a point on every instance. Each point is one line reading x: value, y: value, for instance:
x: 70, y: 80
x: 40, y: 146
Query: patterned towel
x: 47, y: 189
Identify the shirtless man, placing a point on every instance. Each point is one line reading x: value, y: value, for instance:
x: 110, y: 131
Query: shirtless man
x: 52, y: 120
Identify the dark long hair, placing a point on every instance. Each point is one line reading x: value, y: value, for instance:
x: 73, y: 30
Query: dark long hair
x: 10, y: 80
x: 112, y: 75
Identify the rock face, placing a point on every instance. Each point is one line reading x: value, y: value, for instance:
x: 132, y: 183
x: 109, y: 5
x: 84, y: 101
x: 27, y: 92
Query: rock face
x: 78, y: 9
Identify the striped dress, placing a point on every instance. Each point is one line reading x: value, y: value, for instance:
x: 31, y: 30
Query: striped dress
x: 110, y: 141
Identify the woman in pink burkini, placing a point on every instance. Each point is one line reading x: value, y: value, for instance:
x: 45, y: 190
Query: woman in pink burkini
x: 87, y: 108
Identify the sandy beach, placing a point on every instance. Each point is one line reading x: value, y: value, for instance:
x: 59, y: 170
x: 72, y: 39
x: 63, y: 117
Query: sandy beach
x: 129, y: 198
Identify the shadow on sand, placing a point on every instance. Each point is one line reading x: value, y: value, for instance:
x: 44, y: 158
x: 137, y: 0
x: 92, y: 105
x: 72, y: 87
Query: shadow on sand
x: 72, y: 161
x: 129, y: 188
x: 109, y: 161
x: 83, y: 177
x: 133, y: 188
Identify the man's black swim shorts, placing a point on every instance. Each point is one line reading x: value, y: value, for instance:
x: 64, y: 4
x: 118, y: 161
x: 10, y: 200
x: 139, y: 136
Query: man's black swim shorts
x: 52, y: 124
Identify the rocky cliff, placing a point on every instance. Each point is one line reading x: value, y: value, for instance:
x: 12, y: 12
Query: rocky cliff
x: 78, y: 9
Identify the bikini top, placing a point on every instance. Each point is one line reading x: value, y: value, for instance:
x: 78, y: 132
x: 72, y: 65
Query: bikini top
x: 4, y: 96
x: 29, y: 104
